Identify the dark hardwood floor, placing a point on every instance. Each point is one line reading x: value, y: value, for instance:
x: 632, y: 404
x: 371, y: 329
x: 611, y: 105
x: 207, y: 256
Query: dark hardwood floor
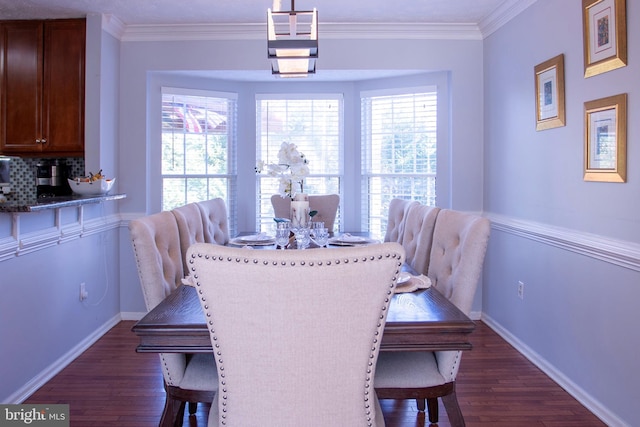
x: 112, y: 385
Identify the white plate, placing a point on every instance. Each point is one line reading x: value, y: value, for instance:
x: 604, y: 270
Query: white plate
x: 346, y: 239
x: 256, y: 238
x: 240, y: 242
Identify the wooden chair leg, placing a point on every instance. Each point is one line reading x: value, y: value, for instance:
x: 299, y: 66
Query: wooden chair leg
x: 432, y: 403
x: 180, y: 415
x: 171, y: 412
x: 193, y: 408
x: 453, y: 409
x: 420, y: 404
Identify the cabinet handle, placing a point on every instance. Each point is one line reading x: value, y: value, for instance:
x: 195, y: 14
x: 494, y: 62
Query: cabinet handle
x: 43, y: 140
x: 38, y: 141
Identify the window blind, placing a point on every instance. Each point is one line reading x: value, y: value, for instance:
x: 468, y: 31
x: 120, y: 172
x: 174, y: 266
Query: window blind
x: 198, y: 148
x: 314, y: 124
x: 399, y: 148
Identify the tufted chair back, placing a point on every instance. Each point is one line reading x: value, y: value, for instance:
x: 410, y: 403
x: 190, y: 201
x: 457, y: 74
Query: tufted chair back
x: 418, y: 234
x: 215, y: 220
x: 325, y: 204
x: 156, y: 246
x: 398, y: 209
x: 457, y: 255
x: 294, y: 329
x: 190, y: 226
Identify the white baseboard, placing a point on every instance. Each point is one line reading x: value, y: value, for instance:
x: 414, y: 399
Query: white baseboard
x: 132, y: 315
x: 52, y: 370
x: 572, y: 388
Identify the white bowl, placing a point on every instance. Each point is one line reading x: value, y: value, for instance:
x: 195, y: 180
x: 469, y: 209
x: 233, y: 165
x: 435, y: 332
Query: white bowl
x: 91, y: 188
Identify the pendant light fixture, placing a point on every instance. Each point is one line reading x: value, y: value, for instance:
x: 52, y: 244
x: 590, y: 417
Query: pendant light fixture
x: 292, y: 41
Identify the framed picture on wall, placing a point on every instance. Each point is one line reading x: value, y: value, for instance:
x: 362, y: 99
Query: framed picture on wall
x: 605, y: 35
x: 605, y: 146
x: 550, y: 93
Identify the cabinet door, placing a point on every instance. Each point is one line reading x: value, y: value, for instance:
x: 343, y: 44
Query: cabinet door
x: 21, y: 87
x: 63, y: 94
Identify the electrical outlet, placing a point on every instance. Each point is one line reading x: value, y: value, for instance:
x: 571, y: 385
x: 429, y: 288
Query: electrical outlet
x: 520, y: 290
x: 83, y: 292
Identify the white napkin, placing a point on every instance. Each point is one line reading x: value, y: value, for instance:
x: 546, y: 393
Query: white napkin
x: 413, y: 284
x: 188, y: 281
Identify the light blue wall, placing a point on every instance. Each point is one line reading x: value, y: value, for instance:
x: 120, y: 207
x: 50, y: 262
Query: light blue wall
x: 574, y: 244
x: 44, y: 256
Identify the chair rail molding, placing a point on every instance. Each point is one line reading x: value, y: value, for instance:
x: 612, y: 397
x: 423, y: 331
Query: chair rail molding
x: 619, y: 252
x: 21, y: 243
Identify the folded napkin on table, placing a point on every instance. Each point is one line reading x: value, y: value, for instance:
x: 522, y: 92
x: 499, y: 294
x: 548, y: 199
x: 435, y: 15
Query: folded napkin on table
x: 188, y: 281
x: 413, y: 284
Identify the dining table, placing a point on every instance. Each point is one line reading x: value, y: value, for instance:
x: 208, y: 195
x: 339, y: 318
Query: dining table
x: 423, y: 320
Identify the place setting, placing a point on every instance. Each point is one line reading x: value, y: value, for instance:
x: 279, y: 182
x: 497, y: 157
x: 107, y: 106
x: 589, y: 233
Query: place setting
x: 347, y: 239
x: 259, y: 239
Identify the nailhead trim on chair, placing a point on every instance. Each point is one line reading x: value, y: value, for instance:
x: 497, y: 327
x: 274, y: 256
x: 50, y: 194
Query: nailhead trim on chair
x: 368, y: 380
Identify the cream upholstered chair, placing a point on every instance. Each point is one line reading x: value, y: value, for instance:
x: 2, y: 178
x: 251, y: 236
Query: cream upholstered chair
x: 299, y: 330
x: 419, y: 224
x: 325, y: 204
x: 398, y: 209
x: 457, y: 254
x: 189, y: 219
x: 187, y: 378
x: 215, y: 221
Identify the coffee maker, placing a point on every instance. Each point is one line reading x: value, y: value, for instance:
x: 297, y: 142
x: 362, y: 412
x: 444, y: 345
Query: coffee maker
x: 51, y: 178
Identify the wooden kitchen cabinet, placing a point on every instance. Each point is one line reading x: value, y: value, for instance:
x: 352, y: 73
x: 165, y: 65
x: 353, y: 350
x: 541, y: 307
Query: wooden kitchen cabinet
x: 42, y: 75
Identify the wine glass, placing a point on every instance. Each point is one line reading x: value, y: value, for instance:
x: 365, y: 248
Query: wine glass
x: 315, y: 226
x: 303, y: 238
x: 322, y: 236
x: 282, y: 234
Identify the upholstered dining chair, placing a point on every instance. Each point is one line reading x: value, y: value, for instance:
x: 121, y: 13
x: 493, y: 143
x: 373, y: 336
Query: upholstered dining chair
x: 457, y: 255
x: 187, y: 378
x: 419, y: 224
x: 296, y: 334
x: 215, y: 220
x: 325, y: 204
x: 189, y: 219
x: 398, y: 209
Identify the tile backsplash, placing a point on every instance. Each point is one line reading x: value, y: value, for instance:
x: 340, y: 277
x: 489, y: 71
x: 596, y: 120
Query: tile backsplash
x: 23, y: 175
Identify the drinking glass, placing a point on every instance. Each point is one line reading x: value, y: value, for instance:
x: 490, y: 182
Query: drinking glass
x: 322, y: 236
x: 282, y: 234
x: 303, y: 238
x: 315, y: 226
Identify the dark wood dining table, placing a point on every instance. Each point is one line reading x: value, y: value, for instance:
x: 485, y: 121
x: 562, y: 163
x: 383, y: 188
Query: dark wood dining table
x: 421, y: 320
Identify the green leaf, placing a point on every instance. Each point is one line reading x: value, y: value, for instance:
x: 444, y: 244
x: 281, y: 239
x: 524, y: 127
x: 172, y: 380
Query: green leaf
x: 313, y: 213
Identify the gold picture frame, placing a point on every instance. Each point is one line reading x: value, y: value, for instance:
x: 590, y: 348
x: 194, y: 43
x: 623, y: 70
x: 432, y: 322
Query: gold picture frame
x: 605, y: 145
x: 605, y: 35
x: 549, y: 85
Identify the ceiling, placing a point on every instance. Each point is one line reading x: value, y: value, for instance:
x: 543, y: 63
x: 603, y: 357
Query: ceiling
x: 158, y: 12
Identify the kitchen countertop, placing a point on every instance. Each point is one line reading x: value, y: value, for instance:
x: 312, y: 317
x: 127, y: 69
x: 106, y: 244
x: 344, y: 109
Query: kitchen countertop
x: 32, y: 204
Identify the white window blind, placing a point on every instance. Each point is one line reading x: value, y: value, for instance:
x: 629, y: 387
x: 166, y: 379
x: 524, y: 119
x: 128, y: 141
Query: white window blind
x: 314, y: 124
x: 398, y: 152
x: 198, y: 148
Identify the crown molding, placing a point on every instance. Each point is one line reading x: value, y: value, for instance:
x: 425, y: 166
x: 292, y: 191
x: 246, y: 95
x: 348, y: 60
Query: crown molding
x: 503, y: 14
x: 375, y: 31
x: 113, y: 25
x: 328, y: 30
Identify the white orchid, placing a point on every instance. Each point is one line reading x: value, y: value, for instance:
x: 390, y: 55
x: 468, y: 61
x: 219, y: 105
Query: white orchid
x: 292, y: 168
